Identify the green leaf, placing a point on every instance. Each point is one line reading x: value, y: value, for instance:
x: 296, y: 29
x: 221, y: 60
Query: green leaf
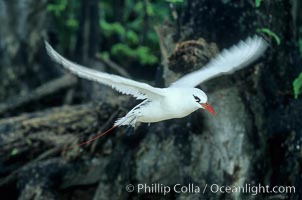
x: 14, y: 152
x: 136, y: 24
x: 132, y: 37
x: 143, y: 53
x: 297, y: 84
x: 139, y: 6
x: 150, y: 9
x: 112, y: 28
x: 270, y: 33
x: 300, y: 46
x: 105, y: 55
x: 145, y: 56
x: 258, y: 3
x: 121, y: 49
x: 57, y: 7
x: 175, y: 1
x: 72, y: 23
x: 28, y: 141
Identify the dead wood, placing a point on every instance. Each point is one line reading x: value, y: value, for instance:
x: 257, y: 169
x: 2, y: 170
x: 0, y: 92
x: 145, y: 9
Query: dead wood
x: 35, y: 137
x: 47, y: 89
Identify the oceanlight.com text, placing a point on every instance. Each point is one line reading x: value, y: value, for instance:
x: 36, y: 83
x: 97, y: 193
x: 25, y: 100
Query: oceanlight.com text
x: 157, y: 188
x: 252, y: 189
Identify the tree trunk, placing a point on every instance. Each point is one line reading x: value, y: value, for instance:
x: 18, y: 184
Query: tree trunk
x: 255, y: 136
x: 23, y: 25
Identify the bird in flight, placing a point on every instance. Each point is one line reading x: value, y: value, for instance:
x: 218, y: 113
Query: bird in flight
x: 178, y: 100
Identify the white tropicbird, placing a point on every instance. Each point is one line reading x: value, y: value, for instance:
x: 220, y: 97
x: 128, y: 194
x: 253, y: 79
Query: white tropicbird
x: 181, y: 98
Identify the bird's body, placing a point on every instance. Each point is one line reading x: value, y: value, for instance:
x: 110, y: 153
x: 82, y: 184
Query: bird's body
x: 162, y: 109
x: 181, y: 98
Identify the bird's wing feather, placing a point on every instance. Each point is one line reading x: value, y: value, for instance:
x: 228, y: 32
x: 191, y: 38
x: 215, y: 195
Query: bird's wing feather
x: 123, y: 85
x: 228, y: 61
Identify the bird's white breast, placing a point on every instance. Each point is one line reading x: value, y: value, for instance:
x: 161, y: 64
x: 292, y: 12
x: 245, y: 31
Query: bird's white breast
x: 176, y: 104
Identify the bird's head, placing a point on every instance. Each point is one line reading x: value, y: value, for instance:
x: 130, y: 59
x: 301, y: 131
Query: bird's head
x: 201, y: 100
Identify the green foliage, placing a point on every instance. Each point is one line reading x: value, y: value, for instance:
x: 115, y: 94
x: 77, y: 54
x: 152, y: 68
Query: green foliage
x: 57, y: 7
x: 300, y: 40
x: 65, y: 16
x: 112, y: 28
x: 127, y: 30
x: 297, y: 85
x: 175, y: 1
x: 130, y: 37
x: 72, y: 22
x: 258, y: 3
x: 270, y: 33
x: 142, y: 53
x: 105, y: 55
x: 300, y: 46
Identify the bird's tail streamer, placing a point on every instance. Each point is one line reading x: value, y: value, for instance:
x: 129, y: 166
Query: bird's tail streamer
x: 92, y: 139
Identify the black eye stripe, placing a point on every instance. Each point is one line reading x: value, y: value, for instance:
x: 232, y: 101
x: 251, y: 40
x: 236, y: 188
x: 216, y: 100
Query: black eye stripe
x: 196, y: 98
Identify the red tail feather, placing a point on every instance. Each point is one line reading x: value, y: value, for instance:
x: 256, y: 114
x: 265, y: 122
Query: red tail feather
x: 92, y: 139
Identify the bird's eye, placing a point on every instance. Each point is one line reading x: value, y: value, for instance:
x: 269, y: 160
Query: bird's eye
x: 196, y: 98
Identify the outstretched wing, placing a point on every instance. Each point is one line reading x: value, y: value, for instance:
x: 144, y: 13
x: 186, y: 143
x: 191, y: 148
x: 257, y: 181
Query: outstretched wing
x: 228, y: 61
x: 123, y: 85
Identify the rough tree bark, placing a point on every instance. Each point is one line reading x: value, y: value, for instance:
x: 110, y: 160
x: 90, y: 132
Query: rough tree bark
x: 23, y: 27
